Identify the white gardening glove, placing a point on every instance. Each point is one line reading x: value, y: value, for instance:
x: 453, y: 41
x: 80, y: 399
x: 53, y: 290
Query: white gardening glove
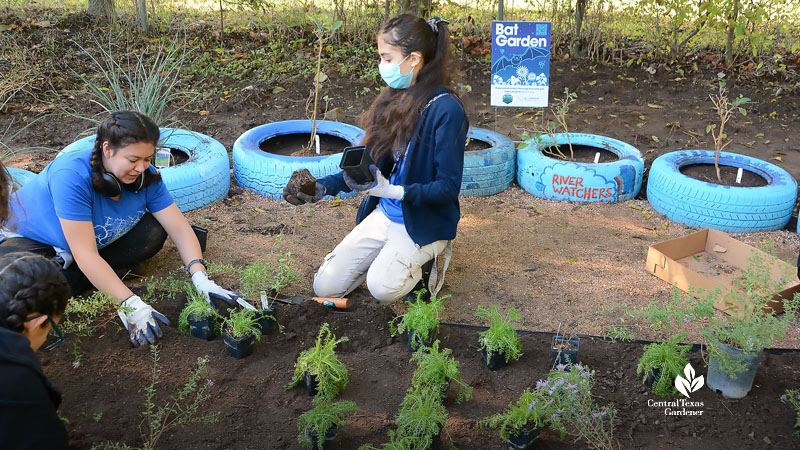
x: 212, y: 290
x: 383, y: 188
x: 140, y: 320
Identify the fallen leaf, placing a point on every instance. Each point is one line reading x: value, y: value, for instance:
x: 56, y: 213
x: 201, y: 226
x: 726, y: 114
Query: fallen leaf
x: 301, y: 223
x: 655, y: 138
x: 321, y: 77
x: 653, y: 105
x: 665, y: 225
x: 258, y: 210
x: 636, y: 207
x: 592, y: 83
x: 336, y: 202
x: 778, y: 158
x: 204, y: 113
x: 278, y: 90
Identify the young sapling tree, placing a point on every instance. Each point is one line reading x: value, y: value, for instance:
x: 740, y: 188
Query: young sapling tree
x: 725, y: 110
x: 549, y: 128
x: 501, y: 337
x: 320, y: 361
x: 312, y: 425
x: 323, y: 30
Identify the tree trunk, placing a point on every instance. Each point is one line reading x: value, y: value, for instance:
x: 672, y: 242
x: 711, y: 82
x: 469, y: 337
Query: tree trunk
x: 732, y: 19
x: 101, y: 8
x: 575, y: 47
x: 410, y: 6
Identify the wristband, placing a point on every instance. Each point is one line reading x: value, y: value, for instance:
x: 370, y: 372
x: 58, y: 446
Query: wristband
x: 195, y: 261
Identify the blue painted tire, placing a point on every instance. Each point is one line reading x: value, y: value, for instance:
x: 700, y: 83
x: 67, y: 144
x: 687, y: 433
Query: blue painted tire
x: 267, y: 173
x: 556, y: 179
x: 204, y: 179
x: 726, y: 208
x: 489, y: 171
x: 19, y: 177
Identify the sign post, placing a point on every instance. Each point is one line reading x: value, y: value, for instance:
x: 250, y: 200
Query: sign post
x: 520, y: 63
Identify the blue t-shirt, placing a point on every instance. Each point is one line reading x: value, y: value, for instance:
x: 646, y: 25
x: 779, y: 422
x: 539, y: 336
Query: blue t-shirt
x: 64, y: 190
x: 393, y: 209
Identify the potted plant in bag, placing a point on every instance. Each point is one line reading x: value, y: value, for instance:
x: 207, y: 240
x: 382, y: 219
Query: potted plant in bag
x: 736, y: 340
x: 519, y: 425
x: 564, y: 349
x: 437, y: 370
x: 198, y: 317
x: 661, y: 363
x: 318, y: 367
x: 421, y: 321
x: 500, y: 344
x: 241, y: 331
x: 317, y: 428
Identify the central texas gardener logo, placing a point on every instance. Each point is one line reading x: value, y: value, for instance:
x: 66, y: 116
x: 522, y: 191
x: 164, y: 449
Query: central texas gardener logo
x: 689, y: 384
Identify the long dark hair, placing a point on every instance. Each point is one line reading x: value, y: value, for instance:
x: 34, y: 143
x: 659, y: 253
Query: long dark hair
x: 392, y: 118
x: 121, y: 129
x: 30, y: 283
x: 5, y: 194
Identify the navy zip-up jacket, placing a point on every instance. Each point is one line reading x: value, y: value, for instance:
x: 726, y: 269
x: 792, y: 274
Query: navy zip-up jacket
x: 432, y: 175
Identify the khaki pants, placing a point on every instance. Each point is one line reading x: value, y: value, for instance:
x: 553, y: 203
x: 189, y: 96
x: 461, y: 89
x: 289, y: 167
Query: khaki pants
x: 379, y: 251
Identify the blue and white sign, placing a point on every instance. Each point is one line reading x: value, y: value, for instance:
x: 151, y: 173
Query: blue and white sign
x: 520, y: 63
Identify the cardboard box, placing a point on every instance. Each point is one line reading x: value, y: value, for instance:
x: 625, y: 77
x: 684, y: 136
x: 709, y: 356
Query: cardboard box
x: 710, y: 258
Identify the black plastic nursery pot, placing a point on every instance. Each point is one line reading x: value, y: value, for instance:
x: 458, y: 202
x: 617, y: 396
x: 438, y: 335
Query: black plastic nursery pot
x: 414, y: 346
x: 652, y: 376
x: 204, y: 328
x: 493, y: 360
x: 356, y: 162
x: 202, y: 236
x: 524, y: 440
x: 267, y: 319
x: 239, y: 348
x: 565, y: 351
x: 310, y: 384
x: 330, y: 436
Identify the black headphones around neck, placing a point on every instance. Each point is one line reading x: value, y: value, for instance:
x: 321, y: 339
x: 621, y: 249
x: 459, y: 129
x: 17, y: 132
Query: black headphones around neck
x: 113, y: 187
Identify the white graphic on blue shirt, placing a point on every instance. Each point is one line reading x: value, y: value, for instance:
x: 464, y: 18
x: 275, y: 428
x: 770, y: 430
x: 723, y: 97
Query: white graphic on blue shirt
x: 114, y: 228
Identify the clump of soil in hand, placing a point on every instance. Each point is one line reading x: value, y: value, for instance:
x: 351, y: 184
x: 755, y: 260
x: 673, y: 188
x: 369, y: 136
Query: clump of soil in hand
x: 303, y: 181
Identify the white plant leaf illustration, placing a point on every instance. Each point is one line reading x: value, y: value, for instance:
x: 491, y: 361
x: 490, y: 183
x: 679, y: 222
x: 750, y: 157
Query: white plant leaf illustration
x: 689, y: 372
x: 697, y: 383
x: 682, y: 385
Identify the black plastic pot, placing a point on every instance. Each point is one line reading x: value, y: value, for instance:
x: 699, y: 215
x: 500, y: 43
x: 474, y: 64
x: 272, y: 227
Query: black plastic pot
x: 436, y: 440
x: 524, y: 440
x: 493, y: 360
x: 355, y: 163
x: 652, y: 376
x: 310, y: 383
x: 330, y: 435
x: 238, y: 348
x: 565, y: 355
x: 414, y: 346
x: 266, y: 319
x: 202, y: 328
x: 202, y: 235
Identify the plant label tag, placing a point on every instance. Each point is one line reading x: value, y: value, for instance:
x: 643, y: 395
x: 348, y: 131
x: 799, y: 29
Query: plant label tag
x: 244, y: 304
x: 739, y: 176
x: 316, y: 142
x: 163, y: 156
x: 264, y: 300
x: 597, y: 157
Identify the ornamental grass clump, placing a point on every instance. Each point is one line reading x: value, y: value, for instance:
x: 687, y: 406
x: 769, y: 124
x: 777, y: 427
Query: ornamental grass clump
x: 668, y: 359
x: 574, y: 411
x: 501, y: 337
x: 437, y: 369
x: 198, y: 309
x: 529, y: 412
x: 320, y: 361
x: 241, y: 324
x: 421, y: 320
x: 312, y: 425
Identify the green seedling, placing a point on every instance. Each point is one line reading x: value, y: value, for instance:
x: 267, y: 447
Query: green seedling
x: 321, y: 361
x: 322, y: 418
x: 501, y: 337
x: 669, y: 358
x: 422, y: 318
x: 437, y: 369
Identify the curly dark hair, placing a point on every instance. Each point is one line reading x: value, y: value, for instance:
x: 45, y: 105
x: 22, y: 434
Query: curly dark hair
x: 30, y: 283
x: 5, y: 194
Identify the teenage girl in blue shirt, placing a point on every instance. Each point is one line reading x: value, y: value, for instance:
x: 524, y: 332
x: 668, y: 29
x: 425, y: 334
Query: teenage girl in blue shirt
x: 416, y: 132
x: 100, y: 212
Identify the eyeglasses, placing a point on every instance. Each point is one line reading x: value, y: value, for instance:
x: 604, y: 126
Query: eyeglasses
x: 54, y: 339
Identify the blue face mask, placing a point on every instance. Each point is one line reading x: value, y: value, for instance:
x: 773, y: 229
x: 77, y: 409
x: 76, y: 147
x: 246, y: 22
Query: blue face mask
x: 390, y: 72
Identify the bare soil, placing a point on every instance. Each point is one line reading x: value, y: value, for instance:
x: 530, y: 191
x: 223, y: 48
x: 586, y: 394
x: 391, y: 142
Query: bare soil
x: 577, y: 266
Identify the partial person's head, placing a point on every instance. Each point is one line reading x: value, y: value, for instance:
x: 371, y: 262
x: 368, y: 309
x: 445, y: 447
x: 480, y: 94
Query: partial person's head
x: 33, y: 296
x: 124, y: 146
x: 414, y: 62
x: 5, y: 194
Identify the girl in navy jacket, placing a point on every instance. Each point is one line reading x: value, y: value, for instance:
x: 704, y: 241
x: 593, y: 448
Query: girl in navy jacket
x: 416, y: 132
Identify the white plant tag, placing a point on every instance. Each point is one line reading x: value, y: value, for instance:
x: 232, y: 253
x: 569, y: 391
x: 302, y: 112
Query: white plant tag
x: 739, y: 176
x: 163, y: 156
x: 264, y: 300
x: 245, y: 305
x: 597, y: 157
x: 316, y: 142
